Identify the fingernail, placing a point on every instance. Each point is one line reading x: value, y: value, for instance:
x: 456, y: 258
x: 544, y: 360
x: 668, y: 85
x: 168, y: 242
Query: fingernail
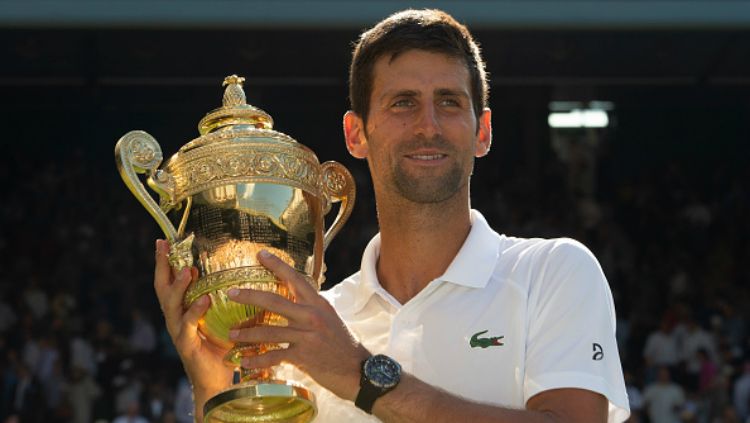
x: 233, y: 292
x: 264, y: 254
x: 203, y: 300
x: 161, y: 246
x: 233, y: 333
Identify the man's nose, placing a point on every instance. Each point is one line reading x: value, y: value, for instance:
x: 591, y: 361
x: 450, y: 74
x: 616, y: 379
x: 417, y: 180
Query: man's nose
x: 428, y: 122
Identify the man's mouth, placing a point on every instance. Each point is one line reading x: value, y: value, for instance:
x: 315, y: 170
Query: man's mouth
x: 426, y: 156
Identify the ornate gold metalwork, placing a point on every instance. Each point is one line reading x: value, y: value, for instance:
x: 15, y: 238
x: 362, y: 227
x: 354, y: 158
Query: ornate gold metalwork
x: 275, y: 401
x: 238, y: 188
x: 247, y: 155
x: 225, y: 279
x: 138, y: 152
x: 180, y: 255
x: 338, y: 185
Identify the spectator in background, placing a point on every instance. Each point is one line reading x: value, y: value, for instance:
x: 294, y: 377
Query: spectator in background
x: 635, y: 398
x: 82, y: 392
x: 661, y: 349
x: 663, y: 398
x: 53, y: 392
x: 157, y: 401
x: 130, y: 387
x: 36, y: 299
x: 693, y: 338
x: 26, y: 395
x: 142, y: 335
x: 741, y: 395
x: 82, y: 355
x: 183, y: 403
x: 707, y: 371
x: 132, y: 414
x: 48, y: 357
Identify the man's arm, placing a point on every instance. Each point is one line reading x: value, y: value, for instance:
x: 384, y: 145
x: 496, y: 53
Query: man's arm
x: 415, y: 401
x: 321, y: 345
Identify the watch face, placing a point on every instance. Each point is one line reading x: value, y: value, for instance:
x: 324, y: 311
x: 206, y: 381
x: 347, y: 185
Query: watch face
x: 382, y: 371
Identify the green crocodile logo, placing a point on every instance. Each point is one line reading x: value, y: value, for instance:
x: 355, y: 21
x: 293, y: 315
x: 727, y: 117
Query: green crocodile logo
x: 491, y: 341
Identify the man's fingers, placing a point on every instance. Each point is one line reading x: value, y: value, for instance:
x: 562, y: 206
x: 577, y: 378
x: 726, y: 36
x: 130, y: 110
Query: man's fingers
x: 264, y: 334
x: 268, y: 300
x: 194, y: 313
x: 298, y: 285
x: 162, y: 271
x: 267, y: 359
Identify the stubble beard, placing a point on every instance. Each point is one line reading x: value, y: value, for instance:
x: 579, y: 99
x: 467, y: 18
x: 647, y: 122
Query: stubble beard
x: 426, y: 189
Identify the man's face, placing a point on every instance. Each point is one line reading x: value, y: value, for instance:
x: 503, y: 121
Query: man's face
x: 422, y: 134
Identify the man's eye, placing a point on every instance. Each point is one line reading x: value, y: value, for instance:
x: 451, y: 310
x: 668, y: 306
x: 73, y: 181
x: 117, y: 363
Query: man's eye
x: 450, y: 102
x: 403, y: 103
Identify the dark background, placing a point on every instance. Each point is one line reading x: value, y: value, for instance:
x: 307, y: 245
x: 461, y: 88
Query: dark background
x: 669, y: 196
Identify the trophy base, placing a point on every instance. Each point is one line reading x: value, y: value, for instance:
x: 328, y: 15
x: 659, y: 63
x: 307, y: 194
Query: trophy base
x: 268, y: 401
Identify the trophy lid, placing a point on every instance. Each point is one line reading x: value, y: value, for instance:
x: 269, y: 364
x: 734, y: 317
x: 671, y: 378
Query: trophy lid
x: 237, y: 145
x: 234, y: 110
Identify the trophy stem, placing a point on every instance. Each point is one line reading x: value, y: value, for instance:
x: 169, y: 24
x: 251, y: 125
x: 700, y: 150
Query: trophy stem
x: 243, y: 350
x: 257, y: 396
x: 251, y: 375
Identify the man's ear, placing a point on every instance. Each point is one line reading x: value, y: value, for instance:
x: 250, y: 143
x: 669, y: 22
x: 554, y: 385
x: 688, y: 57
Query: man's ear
x: 484, y: 133
x: 354, y: 134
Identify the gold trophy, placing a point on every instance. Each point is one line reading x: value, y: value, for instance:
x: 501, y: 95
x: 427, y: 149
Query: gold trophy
x: 238, y: 188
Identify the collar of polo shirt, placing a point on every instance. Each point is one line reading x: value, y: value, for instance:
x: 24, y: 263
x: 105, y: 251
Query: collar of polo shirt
x: 471, y: 267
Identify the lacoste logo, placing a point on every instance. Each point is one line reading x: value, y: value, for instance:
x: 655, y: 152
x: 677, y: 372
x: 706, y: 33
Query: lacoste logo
x: 490, y: 341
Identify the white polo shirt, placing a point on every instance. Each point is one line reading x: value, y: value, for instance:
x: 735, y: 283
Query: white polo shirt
x: 540, y: 314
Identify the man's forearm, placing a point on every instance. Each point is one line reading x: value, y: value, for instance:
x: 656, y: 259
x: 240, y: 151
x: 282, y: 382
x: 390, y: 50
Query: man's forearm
x: 199, y: 399
x: 416, y: 401
x: 200, y: 396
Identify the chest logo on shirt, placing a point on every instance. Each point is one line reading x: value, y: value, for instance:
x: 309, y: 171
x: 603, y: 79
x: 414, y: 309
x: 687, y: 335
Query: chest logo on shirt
x: 490, y: 341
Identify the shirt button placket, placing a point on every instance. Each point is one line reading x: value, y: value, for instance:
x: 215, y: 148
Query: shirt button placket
x: 400, y: 345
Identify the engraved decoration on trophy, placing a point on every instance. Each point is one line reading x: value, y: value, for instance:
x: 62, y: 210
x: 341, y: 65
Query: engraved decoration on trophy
x: 238, y: 188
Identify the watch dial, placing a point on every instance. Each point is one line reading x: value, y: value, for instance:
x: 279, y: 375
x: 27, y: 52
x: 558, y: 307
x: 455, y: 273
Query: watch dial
x: 383, y: 371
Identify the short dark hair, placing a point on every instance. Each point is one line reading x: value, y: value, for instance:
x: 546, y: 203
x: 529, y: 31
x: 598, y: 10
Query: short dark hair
x: 428, y: 29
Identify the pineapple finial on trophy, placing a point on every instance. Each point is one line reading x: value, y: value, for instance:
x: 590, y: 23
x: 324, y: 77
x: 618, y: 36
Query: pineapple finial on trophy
x: 234, y: 95
x: 234, y: 112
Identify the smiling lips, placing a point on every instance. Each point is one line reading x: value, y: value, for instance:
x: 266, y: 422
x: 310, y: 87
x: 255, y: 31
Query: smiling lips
x: 426, y: 157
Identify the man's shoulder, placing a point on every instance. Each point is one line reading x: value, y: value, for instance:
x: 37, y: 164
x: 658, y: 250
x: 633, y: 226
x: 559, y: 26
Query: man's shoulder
x: 544, y: 249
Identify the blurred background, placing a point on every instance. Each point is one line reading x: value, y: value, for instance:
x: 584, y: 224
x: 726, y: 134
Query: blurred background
x: 623, y: 124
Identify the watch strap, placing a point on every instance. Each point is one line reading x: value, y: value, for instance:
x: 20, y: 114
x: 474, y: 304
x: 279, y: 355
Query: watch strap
x: 367, y: 395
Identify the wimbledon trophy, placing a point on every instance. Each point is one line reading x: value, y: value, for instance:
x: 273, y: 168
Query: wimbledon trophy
x: 238, y: 188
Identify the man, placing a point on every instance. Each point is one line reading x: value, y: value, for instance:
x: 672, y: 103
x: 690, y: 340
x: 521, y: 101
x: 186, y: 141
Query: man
x: 664, y: 399
x: 485, y: 327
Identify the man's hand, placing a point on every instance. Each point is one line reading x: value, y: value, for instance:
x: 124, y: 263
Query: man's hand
x: 202, y: 360
x: 319, y: 342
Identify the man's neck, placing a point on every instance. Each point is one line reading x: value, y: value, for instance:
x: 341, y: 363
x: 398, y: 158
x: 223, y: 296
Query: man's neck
x: 417, y: 244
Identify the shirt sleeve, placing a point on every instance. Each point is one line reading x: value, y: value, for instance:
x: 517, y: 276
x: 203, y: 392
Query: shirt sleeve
x: 571, y: 320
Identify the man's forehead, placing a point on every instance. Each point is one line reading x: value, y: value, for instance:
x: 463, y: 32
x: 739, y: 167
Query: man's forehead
x: 416, y: 69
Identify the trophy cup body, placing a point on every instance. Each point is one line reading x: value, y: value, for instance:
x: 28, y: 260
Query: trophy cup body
x: 239, y: 188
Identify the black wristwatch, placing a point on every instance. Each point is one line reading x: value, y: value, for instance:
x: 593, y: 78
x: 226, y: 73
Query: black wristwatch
x: 379, y: 375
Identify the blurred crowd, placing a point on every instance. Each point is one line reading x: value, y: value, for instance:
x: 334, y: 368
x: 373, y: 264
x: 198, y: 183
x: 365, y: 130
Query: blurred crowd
x: 82, y: 338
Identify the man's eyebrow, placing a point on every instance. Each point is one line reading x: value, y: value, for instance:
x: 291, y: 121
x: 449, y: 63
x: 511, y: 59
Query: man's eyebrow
x: 451, y: 92
x: 400, y: 93
x: 388, y: 95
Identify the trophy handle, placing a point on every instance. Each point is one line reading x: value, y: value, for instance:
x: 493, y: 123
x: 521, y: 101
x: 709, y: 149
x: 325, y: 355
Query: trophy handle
x: 138, y: 152
x: 338, y: 185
